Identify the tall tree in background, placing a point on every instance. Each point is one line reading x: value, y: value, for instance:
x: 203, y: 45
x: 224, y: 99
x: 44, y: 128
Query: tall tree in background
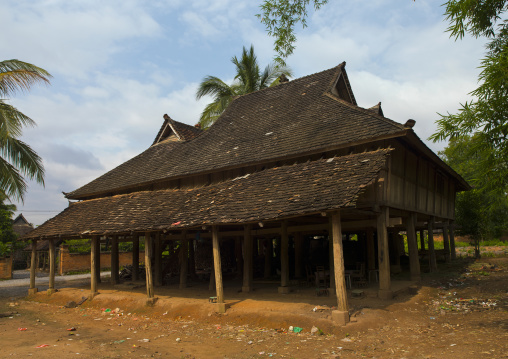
x: 480, y: 213
x: 17, y: 159
x: 249, y: 78
x: 7, y: 235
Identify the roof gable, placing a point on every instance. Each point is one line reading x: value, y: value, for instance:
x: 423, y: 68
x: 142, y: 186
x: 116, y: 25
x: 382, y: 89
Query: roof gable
x: 176, y: 131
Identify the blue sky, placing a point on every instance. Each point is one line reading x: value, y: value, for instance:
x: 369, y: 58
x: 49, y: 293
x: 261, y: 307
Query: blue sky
x: 119, y: 66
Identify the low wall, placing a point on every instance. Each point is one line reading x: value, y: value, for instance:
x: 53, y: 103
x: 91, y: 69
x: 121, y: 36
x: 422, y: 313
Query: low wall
x: 78, y: 262
x: 6, y: 267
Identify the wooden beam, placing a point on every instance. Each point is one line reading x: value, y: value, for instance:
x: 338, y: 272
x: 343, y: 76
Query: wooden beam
x: 157, y: 260
x: 52, y: 264
x: 247, y: 259
x: 432, y: 253
x: 385, y: 290
x: 148, y: 267
x: 218, y: 270
x: 115, y: 267
x: 184, y: 261
x: 33, y: 267
x: 135, y: 257
x: 412, y: 244
x: 93, y: 266
x: 284, y: 259
x: 341, y: 315
x: 452, y: 241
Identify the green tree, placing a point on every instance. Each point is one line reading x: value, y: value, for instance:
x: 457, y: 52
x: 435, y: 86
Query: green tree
x: 480, y: 213
x: 280, y: 18
x: 17, y: 159
x: 249, y: 78
x: 7, y: 235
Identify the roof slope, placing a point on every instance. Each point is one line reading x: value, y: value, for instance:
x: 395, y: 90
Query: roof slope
x: 296, y: 117
x: 271, y: 194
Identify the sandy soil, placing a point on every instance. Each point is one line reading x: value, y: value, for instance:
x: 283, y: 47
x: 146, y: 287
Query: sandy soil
x: 460, y: 312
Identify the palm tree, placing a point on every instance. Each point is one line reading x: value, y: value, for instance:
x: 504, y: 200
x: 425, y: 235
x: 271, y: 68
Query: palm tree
x: 17, y: 159
x: 249, y: 78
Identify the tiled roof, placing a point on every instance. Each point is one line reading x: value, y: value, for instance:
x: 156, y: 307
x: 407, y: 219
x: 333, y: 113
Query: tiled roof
x: 296, y: 117
x: 272, y: 194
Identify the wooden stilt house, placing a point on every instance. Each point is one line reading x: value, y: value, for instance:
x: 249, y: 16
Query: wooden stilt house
x: 299, y: 161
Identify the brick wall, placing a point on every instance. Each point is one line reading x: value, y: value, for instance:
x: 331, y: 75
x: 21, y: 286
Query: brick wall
x: 6, y: 268
x: 77, y: 262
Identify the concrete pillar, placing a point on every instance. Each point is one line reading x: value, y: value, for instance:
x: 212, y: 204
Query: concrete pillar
x: 284, y: 259
x: 184, y: 260
x: 446, y: 243
x: 157, y: 250
x: 52, y: 264
x: 341, y: 315
x: 221, y: 306
x: 93, y: 261
x: 268, y: 245
x: 385, y: 290
x: 33, y: 267
x: 452, y: 242
x: 135, y: 257
x: 247, y: 260
x: 298, y: 255
x: 432, y: 253
x: 412, y: 245
x: 148, y: 269
x: 115, y: 265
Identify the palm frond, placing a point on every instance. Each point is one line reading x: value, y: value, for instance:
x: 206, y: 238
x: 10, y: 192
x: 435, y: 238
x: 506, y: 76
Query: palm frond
x: 23, y: 157
x: 18, y: 76
x: 12, y: 121
x: 11, y: 181
x: 213, y: 86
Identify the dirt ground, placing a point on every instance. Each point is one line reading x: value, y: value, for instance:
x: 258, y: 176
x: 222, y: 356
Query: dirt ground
x: 459, y: 312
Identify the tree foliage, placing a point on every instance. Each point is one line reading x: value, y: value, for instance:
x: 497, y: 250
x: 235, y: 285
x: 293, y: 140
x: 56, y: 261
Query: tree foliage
x: 480, y: 213
x: 487, y: 114
x: 17, y: 159
x: 248, y: 78
x: 7, y: 235
x: 280, y: 18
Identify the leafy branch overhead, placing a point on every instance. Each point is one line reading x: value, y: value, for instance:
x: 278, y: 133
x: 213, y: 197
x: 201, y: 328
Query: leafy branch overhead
x: 280, y: 18
x: 17, y: 159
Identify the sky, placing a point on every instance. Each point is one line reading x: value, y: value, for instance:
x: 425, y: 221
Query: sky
x: 119, y: 66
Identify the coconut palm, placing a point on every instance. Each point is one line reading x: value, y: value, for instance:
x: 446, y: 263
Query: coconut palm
x: 249, y: 78
x: 17, y: 159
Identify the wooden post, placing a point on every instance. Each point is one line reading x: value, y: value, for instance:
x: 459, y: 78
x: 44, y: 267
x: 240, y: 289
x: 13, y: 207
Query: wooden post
x: 331, y: 288
x: 135, y: 257
x: 422, y: 239
x: 238, y: 257
x: 98, y: 260
x: 52, y: 263
x: 33, y: 267
x: 221, y: 307
x: 371, y: 255
x: 192, y: 259
x: 412, y: 245
x: 446, y: 242
x: 432, y: 253
x: 148, y: 269
x: 93, y: 261
x: 341, y: 315
x: 385, y: 290
x: 157, y: 260
x: 115, y: 268
x: 452, y: 241
x: 298, y: 255
x: 284, y: 259
x: 184, y: 260
x: 247, y: 260
x: 268, y: 245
